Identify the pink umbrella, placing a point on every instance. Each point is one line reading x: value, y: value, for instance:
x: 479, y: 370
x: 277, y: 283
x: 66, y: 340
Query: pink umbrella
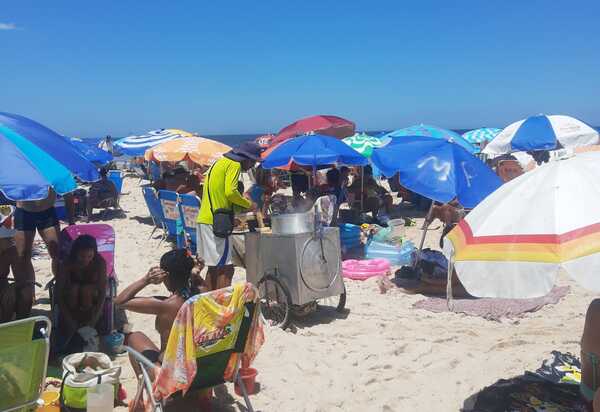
x: 322, y: 124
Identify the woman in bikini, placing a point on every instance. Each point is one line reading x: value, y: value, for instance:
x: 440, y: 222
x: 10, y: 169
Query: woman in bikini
x: 176, y: 272
x: 80, y: 288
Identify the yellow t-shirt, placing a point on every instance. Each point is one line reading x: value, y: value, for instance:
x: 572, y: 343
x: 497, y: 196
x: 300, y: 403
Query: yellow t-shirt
x: 223, y: 187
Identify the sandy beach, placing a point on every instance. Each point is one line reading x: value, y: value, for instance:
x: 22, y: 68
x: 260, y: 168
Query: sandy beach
x: 381, y: 355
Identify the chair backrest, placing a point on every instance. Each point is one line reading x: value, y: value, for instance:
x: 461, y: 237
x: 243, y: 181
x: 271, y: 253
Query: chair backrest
x: 189, y: 207
x: 116, y: 176
x: 214, y: 349
x: 105, y: 239
x: 168, y: 203
x: 509, y: 169
x: 153, y: 203
x: 24, y: 349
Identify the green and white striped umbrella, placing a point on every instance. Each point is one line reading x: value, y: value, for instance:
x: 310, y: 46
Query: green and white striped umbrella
x: 364, y: 144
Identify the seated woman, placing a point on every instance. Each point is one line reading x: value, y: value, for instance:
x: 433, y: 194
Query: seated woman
x: 590, y: 354
x: 80, y: 289
x: 177, y: 272
x: 102, y: 194
x: 374, y: 196
x: 191, y: 186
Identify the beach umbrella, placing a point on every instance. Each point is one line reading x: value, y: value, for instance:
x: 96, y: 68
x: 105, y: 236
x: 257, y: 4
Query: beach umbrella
x: 364, y: 144
x: 199, y: 150
x: 35, y: 159
x: 432, y: 131
x: 92, y: 152
x: 542, y: 132
x: 265, y: 140
x: 137, y: 145
x: 482, y: 135
x: 313, y: 150
x: 322, y: 124
x: 513, y: 244
x: 437, y: 169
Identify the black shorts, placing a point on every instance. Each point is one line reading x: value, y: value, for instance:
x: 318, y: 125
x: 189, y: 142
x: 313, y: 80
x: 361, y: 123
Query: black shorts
x: 30, y: 221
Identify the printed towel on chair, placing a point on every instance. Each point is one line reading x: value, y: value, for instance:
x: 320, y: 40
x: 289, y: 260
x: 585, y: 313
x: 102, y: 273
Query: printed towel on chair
x: 206, y: 324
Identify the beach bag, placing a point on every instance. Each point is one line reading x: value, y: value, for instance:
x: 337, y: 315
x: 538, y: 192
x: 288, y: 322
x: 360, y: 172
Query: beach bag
x: 82, y: 371
x: 223, y: 219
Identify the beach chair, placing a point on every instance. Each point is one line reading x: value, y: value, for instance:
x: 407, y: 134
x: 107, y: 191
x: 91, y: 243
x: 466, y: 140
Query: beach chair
x: 155, y: 209
x: 168, y: 203
x: 105, y: 239
x: 116, y: 176
x: 218, y: 352
x: 189, y: 207
x: 507, y: 170
x: 24, y: 350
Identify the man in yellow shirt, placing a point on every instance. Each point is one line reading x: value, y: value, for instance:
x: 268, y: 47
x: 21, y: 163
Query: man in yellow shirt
x: 221, y: 192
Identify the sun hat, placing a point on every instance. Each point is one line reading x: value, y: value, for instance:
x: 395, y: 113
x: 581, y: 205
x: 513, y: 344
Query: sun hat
x: 245, y: 151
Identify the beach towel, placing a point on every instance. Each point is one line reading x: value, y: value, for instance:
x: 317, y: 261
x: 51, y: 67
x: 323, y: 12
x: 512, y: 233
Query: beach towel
x: 207, y: 324
x: 494, y: 308
x: 552, y: 387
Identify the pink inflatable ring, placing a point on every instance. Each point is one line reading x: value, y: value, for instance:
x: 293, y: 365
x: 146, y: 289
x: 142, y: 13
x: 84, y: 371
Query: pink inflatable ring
x: 364, y: 269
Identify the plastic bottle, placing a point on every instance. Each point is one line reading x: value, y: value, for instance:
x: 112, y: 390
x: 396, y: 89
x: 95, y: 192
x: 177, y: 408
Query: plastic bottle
x: 100, y: 398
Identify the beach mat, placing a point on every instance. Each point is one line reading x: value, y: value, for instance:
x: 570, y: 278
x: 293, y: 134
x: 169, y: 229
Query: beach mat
x: 552, y: 387
x: 494, y: 308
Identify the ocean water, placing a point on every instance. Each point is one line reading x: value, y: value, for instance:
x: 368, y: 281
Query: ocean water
x: 235, y: 139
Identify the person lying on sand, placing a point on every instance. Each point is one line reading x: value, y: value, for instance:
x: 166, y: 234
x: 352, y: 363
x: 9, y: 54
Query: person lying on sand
x: 80, y: 289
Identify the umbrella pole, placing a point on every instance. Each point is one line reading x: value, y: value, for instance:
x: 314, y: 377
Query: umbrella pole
x: 424, y: 229
x: 449, y: 297
x: 362, y: 188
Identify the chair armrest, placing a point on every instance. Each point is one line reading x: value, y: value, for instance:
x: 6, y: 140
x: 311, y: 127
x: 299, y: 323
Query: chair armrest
x: 139, y: 357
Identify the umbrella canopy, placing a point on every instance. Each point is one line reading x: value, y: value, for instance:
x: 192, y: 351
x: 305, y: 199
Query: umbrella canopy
x: 35, y: 159
x: 92, y: 152
x: 435, y: 132
x: 265, y: 140
x: 542, y: 132
x: 364, y: 144
x: 485, y: 134
x: 313, y: 150
x: 437, y: 169
x: 137, y: 145
x: 199, y: 150
x: 513, y: 244
x: 323, y: 124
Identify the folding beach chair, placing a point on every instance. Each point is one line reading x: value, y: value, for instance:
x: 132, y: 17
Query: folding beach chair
x: 218, y: 352
x: 116, y: 176
x: 168, y: 203
x: 105, y: 239
x: 24, y: 349
x: 189, y: 207
x: 155, y: 209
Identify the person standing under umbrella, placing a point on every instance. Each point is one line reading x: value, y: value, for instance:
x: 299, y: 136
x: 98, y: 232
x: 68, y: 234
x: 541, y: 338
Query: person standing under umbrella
x: 31, y: 216
x: 221, y: 193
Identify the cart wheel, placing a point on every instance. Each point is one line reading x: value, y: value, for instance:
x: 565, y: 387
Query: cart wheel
x: 339, y: 302
x: 275, y: 301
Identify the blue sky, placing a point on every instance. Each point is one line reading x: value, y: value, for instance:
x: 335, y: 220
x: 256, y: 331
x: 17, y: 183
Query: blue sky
x: 91, y: 68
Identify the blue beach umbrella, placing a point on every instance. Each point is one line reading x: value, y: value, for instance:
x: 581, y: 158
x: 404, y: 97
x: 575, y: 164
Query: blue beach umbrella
x: 484, y: 134
x: 432, y: 131
x: 437, y: 169
x: 314, y: 150
x: 35, y: 159
x: 542, y: 132
x: 92, y: 152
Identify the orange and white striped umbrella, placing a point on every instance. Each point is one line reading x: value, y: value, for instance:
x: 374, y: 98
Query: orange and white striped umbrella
x: 199, y: 150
